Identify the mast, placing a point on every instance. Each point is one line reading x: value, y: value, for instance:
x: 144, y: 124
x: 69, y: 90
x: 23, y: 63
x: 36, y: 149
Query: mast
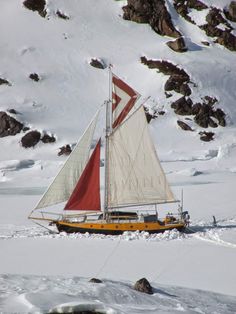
x: 107, y: 133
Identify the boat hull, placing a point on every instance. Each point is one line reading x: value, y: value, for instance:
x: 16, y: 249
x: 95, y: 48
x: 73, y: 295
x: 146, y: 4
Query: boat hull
x: 116, y: 228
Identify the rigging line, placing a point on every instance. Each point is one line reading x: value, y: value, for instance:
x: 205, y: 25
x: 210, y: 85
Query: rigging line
x: 108, y: 257
x: 50, y: 231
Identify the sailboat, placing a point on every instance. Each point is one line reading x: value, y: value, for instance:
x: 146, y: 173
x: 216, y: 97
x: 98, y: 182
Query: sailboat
x: 116, y: 199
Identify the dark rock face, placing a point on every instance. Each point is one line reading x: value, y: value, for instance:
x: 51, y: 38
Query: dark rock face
x: 65, y: 150
x: 228, y: 40
x: 34, y: 76
x: 182, y: 106
x: 48, y: 139
x: 30, y: 139
x: 143, y: 285
x: 95, y: 280
x: 152, y: 12
x: 36, y: 5
x: 62, y: 15
x: 179, y: 84
x: 177, y: 45
x: 184, y: 126
x: 97, y: 63
x: 164, y: 67
x: 9, y: 125
x: 206, y: 136
x: 231, y: 12
x: 182, y: 7
x: 4, y: 81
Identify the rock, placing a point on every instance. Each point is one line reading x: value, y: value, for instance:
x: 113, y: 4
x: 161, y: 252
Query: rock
x: 30, y: 139
x: 208, y: 100
x: 95, y: 280
x: 206, y: 136
x: 98, y: 63
x: 206, y: 43
x: 220, y: 116
x: 152, y: 12
x: 228, y: 40
x: 184, y: 126
x: 34, y: 76
x: 48, y: 139
x: 178, y: 45
x: 182, y: 7
x: 4, y: 81
x: 143, y: 285
x: 182, y: 106
x: 36, y: 5
x: 149, y: 115
x: 179, y: 84
x: 231, y: 12
x: 9, y: 125
x: 65, y: 150
x: 62, y: 15
x: 13, y: 111
x: 165, y: 67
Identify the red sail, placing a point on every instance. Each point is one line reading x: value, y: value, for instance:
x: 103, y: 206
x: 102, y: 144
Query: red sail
x: 86, y: 195
x: 123, y: 100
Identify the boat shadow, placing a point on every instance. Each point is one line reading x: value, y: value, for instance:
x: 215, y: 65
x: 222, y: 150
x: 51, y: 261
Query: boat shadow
x: 194, y: 229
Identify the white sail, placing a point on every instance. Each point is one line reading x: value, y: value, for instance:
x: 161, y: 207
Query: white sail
x: 135, y: 175
x: 64, y: 183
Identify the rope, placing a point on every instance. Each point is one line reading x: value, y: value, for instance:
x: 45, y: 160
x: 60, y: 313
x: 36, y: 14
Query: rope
x: 108, y: 258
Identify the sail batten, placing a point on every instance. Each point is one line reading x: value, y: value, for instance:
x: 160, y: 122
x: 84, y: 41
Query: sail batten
x: 64, y: 183
x: 135, y: 173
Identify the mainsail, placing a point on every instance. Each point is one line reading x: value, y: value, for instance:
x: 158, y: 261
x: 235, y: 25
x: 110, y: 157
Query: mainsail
x: 66, y: 180
x: 135, y: 175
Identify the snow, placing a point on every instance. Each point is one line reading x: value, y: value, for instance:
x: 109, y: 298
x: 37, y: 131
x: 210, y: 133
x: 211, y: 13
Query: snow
x: 41, y: 270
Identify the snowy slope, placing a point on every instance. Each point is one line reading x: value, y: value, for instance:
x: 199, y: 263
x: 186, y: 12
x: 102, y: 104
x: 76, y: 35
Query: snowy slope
x: 62, y: 103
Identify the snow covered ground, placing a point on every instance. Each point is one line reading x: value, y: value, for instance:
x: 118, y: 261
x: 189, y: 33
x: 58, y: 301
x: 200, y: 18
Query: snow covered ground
x: 39, y: 270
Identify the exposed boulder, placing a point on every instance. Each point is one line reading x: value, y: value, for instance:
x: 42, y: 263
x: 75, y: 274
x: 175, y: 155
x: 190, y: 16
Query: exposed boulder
x: 178, y: 45
x: 36, y: 5
x: 9, y: 125
x: 182, y: 106
x: 152, y: 12
x: 220, y: 116
x: 62, y: 15
x: 228, y: 40
x: 206, y: 136
x: 34, y: 76
x: 184, y: 126
x: 143, y: 285
x: 98, y: 63
x: 95, y: 280
x: 4, y: 81
x: 65, y: 150
x: 179, y: 84
x: 48, y: 139
x: 30, y: 139
x: 231, y: 11
x: 182, y: 7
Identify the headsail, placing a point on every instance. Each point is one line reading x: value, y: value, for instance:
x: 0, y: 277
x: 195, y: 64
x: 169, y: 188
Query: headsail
x: 123, y: 100
x: 64, y: 183
x: 135, y: 174
x: 86, y: 195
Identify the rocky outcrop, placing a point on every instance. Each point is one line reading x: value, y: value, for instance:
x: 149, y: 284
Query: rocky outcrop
x: 34, y: 76
x: 62, y: 15
x: 182, y: 7
x: 231, y: 11
x: 65, y: 150
x: 153, y: 12
x: 46, y: 138
x: 30, y: 139
x: 98, y: 63
x: 95, y: 280
x: 143, y: 285
x: 206, y: 136
x: 182, y: 106
x: 228, y: 40
x: 178, y: 83
x: 178, y: 45
x: 4, y: 81
x: 9, y: 125
x: 184, y: 126
x: 36, y: 5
